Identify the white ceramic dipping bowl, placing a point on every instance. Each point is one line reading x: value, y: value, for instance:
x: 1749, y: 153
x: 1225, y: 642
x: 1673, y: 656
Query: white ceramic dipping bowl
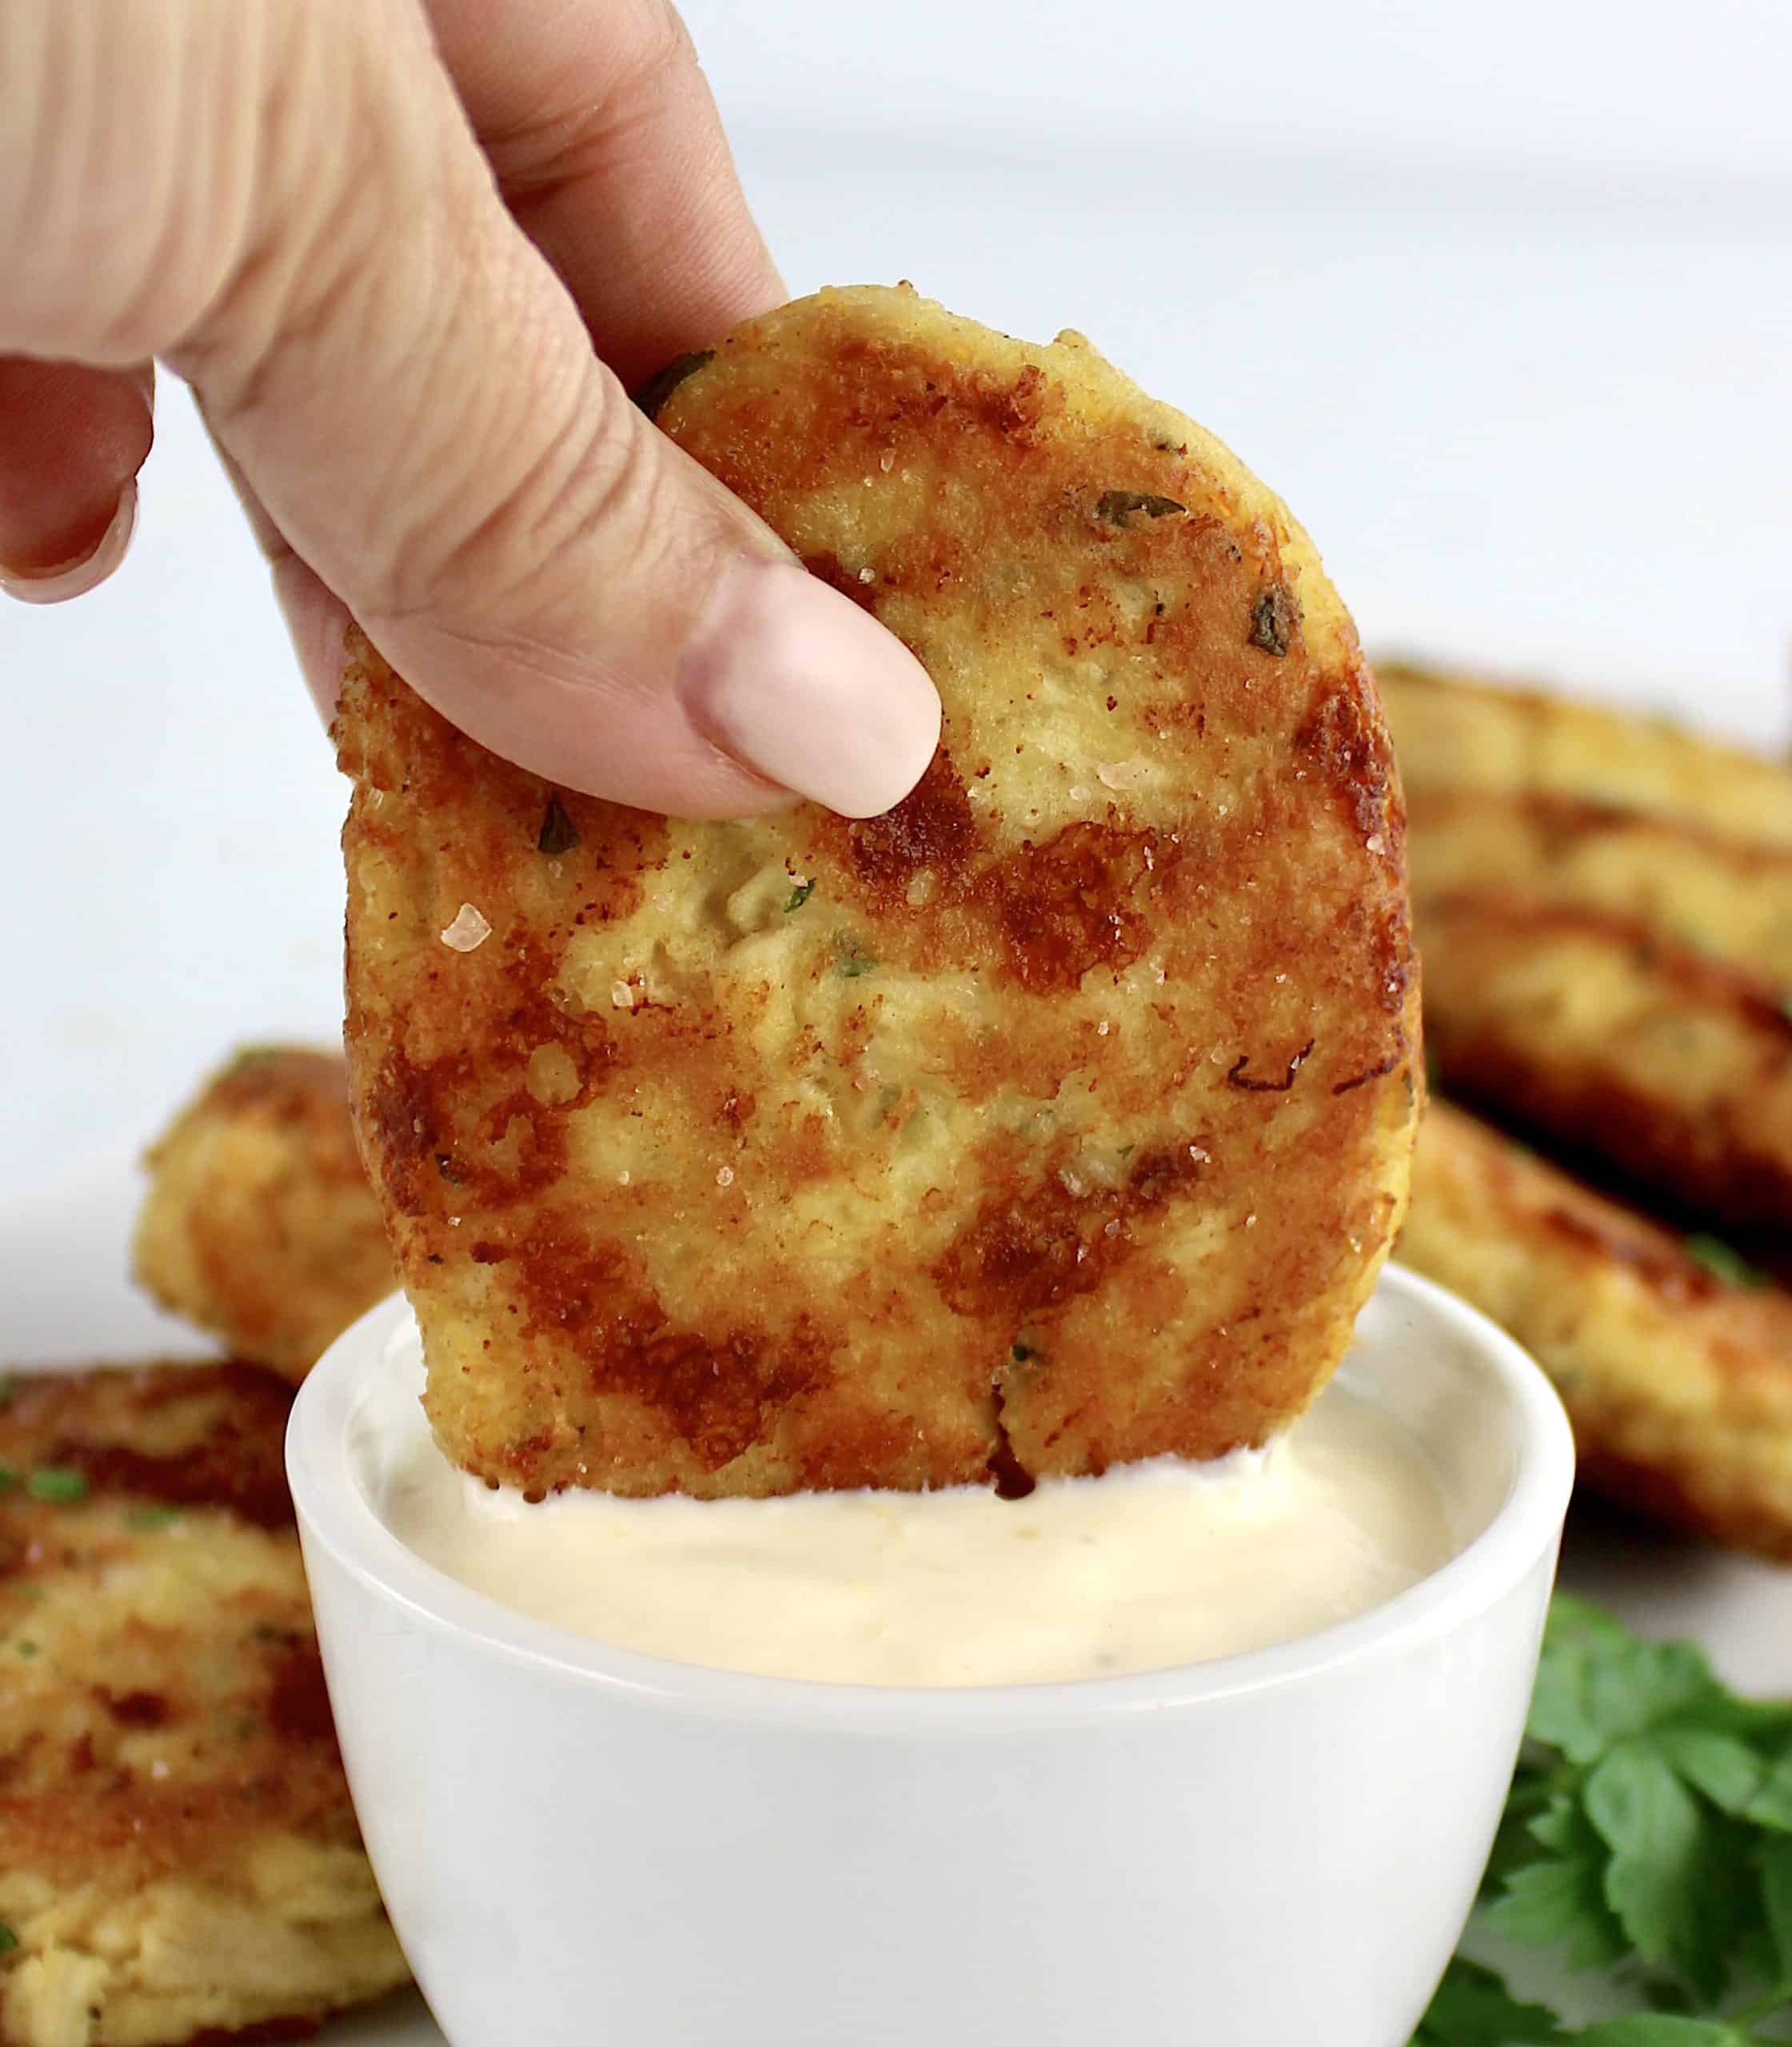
x: 581, y: 1844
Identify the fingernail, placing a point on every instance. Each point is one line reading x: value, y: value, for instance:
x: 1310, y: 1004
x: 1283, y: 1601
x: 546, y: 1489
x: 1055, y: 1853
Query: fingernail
x: 795, y: 682
x: 86, y: 571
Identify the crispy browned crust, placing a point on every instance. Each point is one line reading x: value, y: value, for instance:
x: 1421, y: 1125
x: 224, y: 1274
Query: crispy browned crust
x: 1454, y: 730
x: 259, y: 1225
x: 1673, y: 1068
x: 1691, y: 885
x: 1679, y: 1383
x: 1060, y: 1117
x: 167, y: 1757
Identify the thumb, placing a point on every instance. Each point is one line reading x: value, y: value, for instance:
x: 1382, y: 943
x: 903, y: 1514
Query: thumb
x: 410, y: 394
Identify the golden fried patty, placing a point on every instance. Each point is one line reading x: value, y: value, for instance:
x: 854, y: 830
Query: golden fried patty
x: 259, y: 1224
x: 1452, y: 730
x: 1678, y: 1381
x: 178, y: 1858
x: 1673, y: 1068
x: 1061, y: 1116
x: 1692, y: 886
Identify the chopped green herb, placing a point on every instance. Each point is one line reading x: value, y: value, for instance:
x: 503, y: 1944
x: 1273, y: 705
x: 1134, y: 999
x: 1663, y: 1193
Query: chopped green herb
x: 800, y: 894
x: 25, y: 1648
x: 9, y: 1477
x: 1648, y: 1834
x: 147, y: 1518
x: 653, y: 394
x: 1785, y: 1006
x: 1726, y: 1263
x: 1022, y: 1352
x: 1273, y: 619
x: 57, y: 1482
x: 1117, y: 507
x: 558, y: 834
x: 9, y: 1940
x: 853, y: 960
x: 5, y: 1388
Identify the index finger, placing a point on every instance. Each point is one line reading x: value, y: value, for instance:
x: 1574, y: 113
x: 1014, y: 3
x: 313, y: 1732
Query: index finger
x: 600, y: 127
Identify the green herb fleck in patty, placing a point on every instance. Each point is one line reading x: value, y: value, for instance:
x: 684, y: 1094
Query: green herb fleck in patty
x: 1726, y: 1263
x: 558, y: 834
x: 57, y: 1482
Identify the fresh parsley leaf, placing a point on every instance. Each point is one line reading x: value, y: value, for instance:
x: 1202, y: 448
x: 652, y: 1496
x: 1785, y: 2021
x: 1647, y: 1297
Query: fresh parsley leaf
x: 1776, y: 1898
x: 1553, y: 1903
x: 1590, y: 1692
x: 1661, y: 2029
x: 9, y: 1477
x: 1664, y: 1859
x: 1725, y: 1770
x: 1648, y: 1833
x: 9, y: 1940
x: 6, y: 1386
x: 1564, y: 1827
x: 57, y: 1482
x: 1572, y: 1619
x: 800, y: 894
x: 853, y: 960
x: 1771, y: 1806
x: 1529, y: 1805
x: 1473, y: 2007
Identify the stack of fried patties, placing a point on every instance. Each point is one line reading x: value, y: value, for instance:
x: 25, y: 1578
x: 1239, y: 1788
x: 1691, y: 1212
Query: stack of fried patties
x: 179, y: 1860
x: 1604, y: 906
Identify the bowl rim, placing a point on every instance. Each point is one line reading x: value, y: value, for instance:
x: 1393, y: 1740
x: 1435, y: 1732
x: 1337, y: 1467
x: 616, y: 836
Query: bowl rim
x: 335, y: 1518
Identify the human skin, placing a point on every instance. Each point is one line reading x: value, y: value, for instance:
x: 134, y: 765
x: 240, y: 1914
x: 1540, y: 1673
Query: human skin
x: 411, y: 255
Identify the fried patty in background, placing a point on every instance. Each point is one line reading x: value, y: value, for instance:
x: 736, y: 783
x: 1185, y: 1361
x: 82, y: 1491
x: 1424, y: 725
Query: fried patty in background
x: 178, y: 1857
x: 259, y: 1226
x: 1455, y: 730
x: 1677, y: 1378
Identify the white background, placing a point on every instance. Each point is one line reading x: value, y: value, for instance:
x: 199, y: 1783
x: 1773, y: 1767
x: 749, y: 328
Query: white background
x: 1499, y: 298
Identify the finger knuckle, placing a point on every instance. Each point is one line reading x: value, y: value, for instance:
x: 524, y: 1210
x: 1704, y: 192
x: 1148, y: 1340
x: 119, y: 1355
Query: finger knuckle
x: 528, y: 511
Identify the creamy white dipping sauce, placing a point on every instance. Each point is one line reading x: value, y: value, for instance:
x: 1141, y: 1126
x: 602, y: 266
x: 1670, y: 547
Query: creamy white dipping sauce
x: 1152, y: 1566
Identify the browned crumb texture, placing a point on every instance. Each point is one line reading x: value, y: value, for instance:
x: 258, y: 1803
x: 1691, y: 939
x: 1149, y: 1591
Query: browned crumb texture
x: 1693, y: 887
x: 179, y: 1861
x: 1679, y: 1382
x: 259, y: 1225
x: 1061, y: 1116
x: 1455, y: 731
x: 1673, y: 1068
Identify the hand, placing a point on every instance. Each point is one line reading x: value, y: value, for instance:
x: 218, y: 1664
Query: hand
x: 411, y: 255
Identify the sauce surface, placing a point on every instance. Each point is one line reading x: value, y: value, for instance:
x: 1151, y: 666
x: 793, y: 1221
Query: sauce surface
x: 1153, y: 1565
